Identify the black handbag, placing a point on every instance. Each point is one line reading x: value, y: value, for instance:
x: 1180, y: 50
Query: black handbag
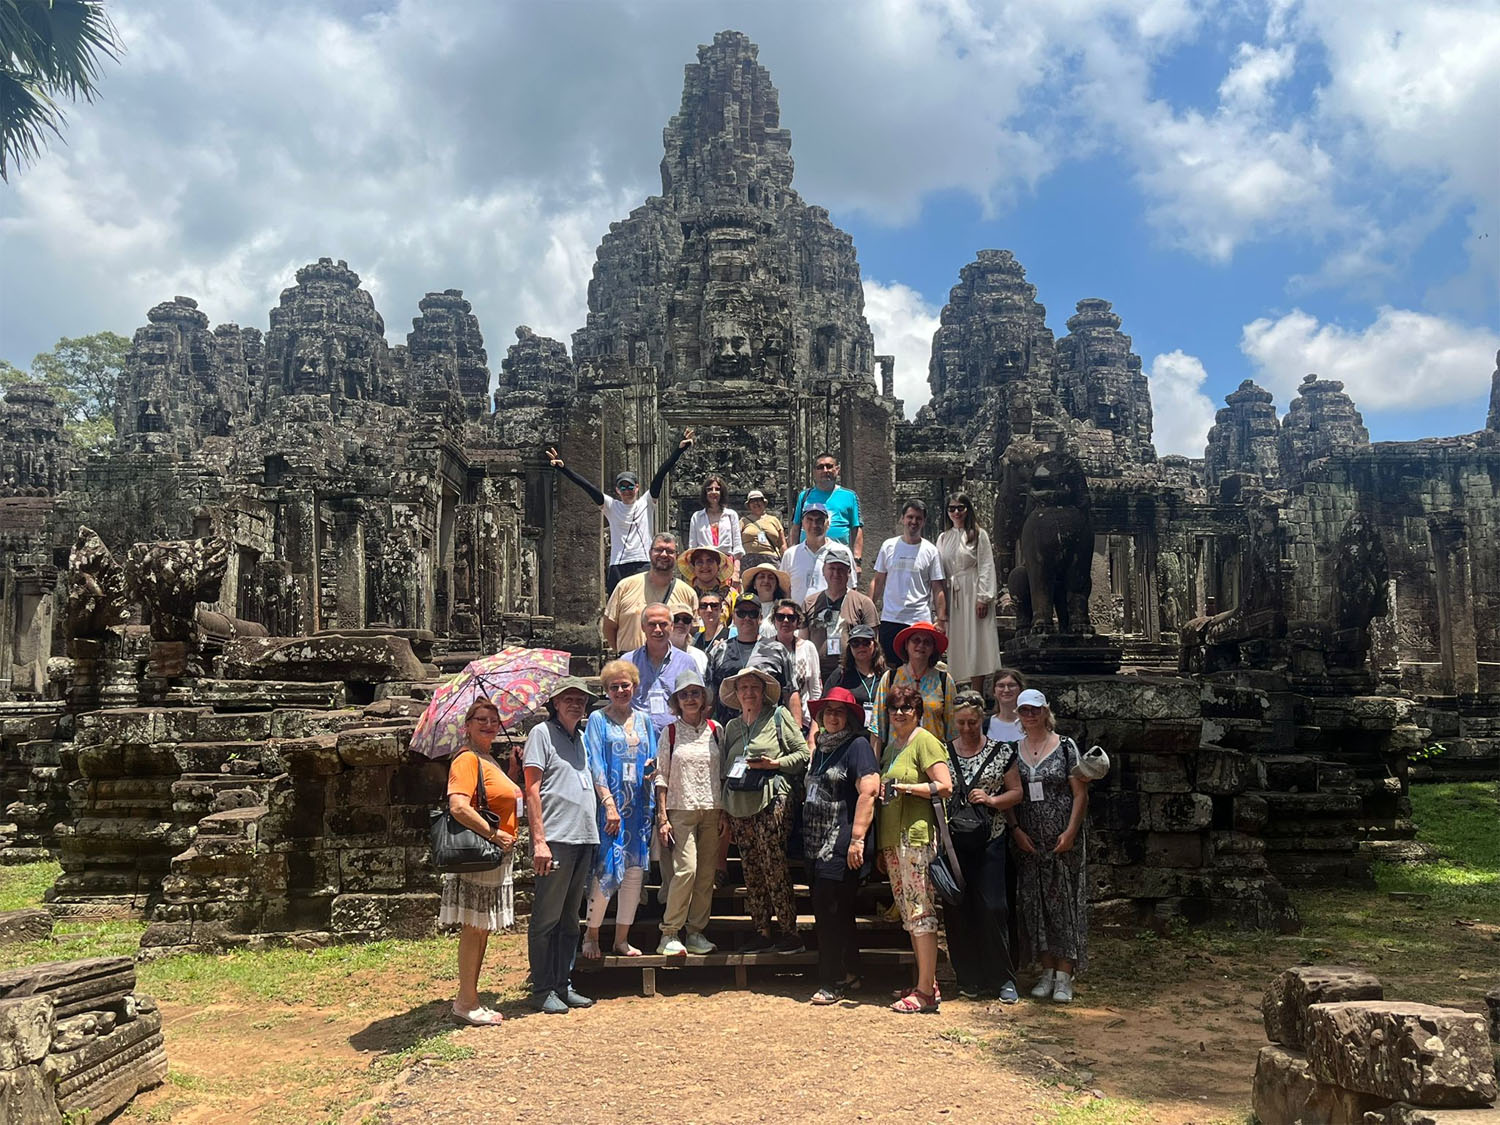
x: 969, y: 827
x: 457, y: 848
x: 944, y: 870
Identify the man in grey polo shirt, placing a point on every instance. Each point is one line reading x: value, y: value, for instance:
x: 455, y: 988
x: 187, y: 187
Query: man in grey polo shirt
x: 561, y: 808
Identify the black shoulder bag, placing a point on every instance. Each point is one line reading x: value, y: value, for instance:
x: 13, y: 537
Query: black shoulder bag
x: 970, y: 827
x: 457, y: 848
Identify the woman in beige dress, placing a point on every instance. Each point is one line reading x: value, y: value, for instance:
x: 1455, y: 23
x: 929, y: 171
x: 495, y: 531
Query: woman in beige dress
x: 969, y: 563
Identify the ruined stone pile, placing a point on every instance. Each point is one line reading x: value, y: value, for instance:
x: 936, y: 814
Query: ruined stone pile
x: 1341, y: 1053
x: 77, y: 1042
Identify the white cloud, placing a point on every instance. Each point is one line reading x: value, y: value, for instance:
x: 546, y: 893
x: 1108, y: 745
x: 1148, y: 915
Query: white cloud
x: 1403, y: 359
x: 903, y: 324
x: 1181, y: 413
x: 1257, y: 70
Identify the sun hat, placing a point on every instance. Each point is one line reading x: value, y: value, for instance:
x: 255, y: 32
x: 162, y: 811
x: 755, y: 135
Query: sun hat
x: 685, y: 563
x: 921, y: 628
x: 754, y: 494
x: 747, y: 578
x: 687, y: 678
x: 1031, y: 698
x: 627, y: 477
x: 730, y: 686
x: 839, y: 695
x: 836, y: 552
x: 1092, y: 765
x: 574, y: 683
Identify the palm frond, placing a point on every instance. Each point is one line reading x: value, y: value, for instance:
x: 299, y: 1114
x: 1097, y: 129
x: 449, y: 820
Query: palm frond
x: 79, y: 35
x: 27, y: 114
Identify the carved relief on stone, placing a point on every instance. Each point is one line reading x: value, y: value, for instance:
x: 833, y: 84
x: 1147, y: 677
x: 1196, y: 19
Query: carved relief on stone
x: 169, y: 579
x: 96, y: 588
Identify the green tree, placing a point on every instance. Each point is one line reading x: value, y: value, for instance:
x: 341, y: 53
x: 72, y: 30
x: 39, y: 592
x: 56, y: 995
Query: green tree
x: 81, y: 373
x: 49, y: 49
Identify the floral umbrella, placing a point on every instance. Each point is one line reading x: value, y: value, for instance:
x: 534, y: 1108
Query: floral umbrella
x: 516, y: 680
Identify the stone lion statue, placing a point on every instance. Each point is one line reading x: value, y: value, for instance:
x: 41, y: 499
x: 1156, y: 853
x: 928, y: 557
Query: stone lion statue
x: 1052, y: 579
x: 96, y: 588
x: 171, y: 578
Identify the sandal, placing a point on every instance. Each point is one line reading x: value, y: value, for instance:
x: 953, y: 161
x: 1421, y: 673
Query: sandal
x: 591, y: 950
x: 477, y: 1017
x: 852, y: 983
x: 916, y: 1003
x: 825, y: 996
x: 626, y: 950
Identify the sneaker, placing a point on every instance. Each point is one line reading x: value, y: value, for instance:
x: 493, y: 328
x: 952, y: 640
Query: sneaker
x: 1008, y: 994
x: 549, y: 1003
x: 575, y: 999
x: 791, y: 943
x: 966, y: 993
x: 698, y: 944
x: 1062, y: 989
x: 758, y: 943
x: 669, y: 946
x: 1043, y: 987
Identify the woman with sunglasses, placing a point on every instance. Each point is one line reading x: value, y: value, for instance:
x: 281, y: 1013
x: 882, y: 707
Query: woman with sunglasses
x: 1051, y: 851
x: 919, y: 646
x: 913, y: 772
x: 788, y: 619
x: 621, y: 745
x: 969, y: 563
x: 859, y: 673
x: 630, y: 514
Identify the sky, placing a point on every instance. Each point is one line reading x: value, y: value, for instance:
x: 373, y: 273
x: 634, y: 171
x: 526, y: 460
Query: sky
x: 1262, y: 189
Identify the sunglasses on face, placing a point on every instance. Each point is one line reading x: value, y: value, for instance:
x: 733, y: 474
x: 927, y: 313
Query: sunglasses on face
x: 824, y: 468
x: 683, y: 619
x: 625, y: 487
x: 623, y: 685
x: 710, y: 605
x: 1028, y: 710
x: 903, y: 708
x: 785, y: 616
x: 746, y: 611
x: 958, y: 507
x: 858, y: 641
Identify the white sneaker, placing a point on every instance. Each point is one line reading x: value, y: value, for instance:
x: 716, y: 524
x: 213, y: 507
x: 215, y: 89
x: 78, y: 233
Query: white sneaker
x: 1043, y: 987
x: 698, y: 944
x: 1062, y: 989
x: 671, y: 947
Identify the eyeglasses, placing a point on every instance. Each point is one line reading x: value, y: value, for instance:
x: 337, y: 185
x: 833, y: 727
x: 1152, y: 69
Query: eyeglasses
x: 902, y: 708
x: 622, y: 686
x: 1028, y: 710
x: 785, y: 616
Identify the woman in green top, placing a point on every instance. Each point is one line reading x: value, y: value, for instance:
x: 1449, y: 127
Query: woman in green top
x: 913, y: 771
x: 763, y: 747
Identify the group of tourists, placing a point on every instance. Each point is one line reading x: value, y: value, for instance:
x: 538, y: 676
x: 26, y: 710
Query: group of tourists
x: 760, y: 697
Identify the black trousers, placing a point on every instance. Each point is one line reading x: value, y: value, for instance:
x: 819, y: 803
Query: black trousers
x: 833, y: 903
x: 978, y: 928
x: 614, y: 575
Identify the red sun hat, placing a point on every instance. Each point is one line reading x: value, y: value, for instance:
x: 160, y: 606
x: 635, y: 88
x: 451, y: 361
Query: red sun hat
x: 838, y: 695
x: 921, y: 628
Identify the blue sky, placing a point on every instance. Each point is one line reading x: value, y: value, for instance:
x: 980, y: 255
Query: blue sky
x: 1262, y: 189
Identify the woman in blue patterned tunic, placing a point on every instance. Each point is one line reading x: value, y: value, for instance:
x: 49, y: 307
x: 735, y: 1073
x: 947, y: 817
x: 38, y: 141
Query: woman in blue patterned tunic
x: 621, y: 745
x: 1052, y: 852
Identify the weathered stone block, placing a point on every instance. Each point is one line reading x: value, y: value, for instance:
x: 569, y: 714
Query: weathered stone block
x: 1400, y: 1113
x: 316, y: 756
x: 360, y: 788
x: 358, y: 827
x: 1176, y: 812
x: 1122, y: 697
x: 372, y: 869
x: 419, y: 782
x: 1279, y: 1093
x: 1224, y: 772
x: 1416, y: 1053
x: 372, y: 658
x: 370, y: 747
x: 1284, y: 1006
x: 26, y: 1026
x: 1174, y: 849
x: 26, y: 1096
x: 385, y: 916
x: 24, y: 925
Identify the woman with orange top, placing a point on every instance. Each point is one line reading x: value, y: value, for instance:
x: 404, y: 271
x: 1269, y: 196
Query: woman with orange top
x: 479, y: 902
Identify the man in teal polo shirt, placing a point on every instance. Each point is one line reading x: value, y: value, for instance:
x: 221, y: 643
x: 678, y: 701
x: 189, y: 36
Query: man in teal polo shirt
x: 844, y: 525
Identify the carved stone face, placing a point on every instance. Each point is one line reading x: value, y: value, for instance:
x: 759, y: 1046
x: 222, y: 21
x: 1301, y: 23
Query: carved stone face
x: 731, y: 351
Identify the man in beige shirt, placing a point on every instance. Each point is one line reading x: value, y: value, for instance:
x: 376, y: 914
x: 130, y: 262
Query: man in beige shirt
x: 622, y: 613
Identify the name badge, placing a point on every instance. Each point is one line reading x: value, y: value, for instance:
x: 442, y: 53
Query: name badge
x: 659, y: 704
x: 1034, y: 791
x: 738, y: 769
x: 627, y: 772
x: 835, y: 644
x: 869, y: 716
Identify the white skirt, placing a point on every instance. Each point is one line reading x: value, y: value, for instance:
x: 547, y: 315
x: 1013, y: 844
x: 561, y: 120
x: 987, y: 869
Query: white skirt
x: 485, y: 900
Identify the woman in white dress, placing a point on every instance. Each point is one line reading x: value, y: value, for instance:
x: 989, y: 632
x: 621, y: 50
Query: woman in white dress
x: 969, y: 563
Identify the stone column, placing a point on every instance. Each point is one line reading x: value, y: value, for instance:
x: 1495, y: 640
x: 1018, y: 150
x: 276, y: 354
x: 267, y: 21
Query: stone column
x: 1455, y: 597
x: 299, y: 544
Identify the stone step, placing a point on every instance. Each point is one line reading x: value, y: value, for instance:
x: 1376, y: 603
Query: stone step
x: 266, y: 695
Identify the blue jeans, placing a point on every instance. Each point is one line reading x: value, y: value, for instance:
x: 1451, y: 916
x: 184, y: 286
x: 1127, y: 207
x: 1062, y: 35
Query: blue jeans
x: 552, y: 934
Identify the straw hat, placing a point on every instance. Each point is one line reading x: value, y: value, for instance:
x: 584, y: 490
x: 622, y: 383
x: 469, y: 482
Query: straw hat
x: 747, y: 577
x: 729, y: 688
x: 685, y: 563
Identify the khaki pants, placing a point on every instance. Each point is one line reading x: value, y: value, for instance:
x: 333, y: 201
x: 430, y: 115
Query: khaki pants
x: 695, y: 853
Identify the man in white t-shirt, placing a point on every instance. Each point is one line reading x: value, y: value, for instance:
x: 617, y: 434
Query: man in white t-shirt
x: 909, y: 580
x: 630, y: 515
x: 803, y: 561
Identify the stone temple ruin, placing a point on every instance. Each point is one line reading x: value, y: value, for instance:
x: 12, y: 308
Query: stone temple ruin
x: 215, y: 637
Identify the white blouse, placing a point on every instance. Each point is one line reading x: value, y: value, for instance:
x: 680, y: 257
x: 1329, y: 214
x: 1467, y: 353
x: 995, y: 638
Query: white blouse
x: 701, y: 532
